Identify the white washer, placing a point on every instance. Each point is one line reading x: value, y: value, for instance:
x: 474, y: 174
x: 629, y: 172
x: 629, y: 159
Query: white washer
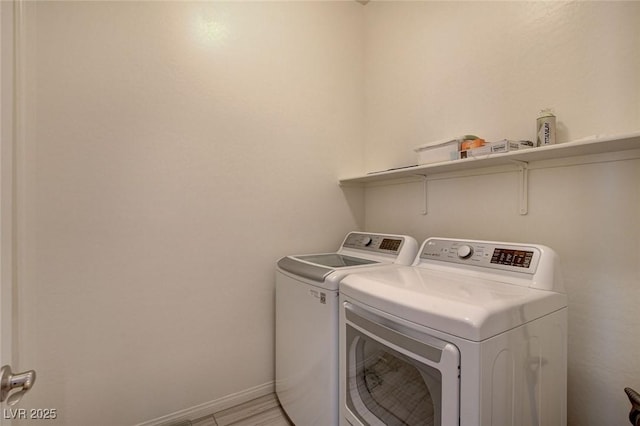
x: 307, y: 320
x: 474, y: 333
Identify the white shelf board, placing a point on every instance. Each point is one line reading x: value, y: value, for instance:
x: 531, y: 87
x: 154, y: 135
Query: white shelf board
x: 563, y: 150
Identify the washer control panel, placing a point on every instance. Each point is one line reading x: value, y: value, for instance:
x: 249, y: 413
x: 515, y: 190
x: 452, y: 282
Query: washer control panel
x: 374, y: 242
x: 501, y: 256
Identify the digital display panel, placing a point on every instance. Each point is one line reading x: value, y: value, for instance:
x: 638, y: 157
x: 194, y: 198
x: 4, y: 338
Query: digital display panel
x: 390, y: 244
x: 519, y: 258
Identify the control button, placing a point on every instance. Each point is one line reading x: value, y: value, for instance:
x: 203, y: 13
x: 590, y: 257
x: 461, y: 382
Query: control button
x: 366, y: 241
x: 465, y: 252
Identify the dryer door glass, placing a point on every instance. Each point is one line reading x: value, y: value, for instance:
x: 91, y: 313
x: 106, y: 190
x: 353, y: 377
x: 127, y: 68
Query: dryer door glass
x: 395, y: 379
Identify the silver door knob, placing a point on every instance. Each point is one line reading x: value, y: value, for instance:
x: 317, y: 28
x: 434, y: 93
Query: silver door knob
x: 9, y: 381
x: 634, y: 398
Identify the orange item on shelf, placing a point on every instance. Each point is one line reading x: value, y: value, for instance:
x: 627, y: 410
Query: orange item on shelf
x: 471, y: 143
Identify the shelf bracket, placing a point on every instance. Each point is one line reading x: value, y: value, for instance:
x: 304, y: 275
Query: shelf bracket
x: 523, y: 188
x: 424, y: 194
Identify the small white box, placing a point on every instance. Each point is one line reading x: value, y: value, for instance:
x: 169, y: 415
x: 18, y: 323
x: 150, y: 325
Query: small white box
x: 504, y: 145
x: 475, y: 152
x: 436, y: 152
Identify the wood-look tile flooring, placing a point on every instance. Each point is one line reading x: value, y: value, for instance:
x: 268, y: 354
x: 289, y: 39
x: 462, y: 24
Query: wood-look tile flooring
x: 263, y: 411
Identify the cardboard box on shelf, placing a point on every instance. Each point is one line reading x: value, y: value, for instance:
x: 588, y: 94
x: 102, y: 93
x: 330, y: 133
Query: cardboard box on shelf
x: 504, y: 145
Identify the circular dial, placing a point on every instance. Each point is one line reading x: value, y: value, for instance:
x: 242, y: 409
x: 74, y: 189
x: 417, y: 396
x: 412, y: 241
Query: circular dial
x: 465, y: 251
x: 366, y: 241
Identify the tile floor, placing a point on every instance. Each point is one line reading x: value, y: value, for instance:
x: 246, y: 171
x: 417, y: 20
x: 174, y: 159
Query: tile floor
x: 263, y: 411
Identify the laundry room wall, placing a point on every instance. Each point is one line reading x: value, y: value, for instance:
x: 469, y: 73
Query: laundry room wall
x: 437, y: 70
x: 168, y: 154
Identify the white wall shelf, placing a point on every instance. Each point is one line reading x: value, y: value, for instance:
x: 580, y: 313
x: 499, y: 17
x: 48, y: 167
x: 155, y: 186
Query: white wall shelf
x: 563, y: 150
x: 520, y: 159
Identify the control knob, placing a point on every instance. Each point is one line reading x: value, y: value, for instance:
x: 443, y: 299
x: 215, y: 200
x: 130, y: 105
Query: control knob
x: 465, y: 252
x: 366, y: 241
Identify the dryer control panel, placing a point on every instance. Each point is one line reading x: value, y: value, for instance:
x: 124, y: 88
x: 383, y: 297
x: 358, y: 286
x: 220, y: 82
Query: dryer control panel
x: 500, y: 256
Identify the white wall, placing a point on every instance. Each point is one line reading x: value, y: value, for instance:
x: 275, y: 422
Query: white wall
x: 171, y: 153
x: 441, y: 69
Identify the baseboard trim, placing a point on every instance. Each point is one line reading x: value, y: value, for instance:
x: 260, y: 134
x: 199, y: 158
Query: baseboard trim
x: 211, y: 407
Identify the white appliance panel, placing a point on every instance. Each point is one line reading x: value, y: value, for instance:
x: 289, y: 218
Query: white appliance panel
x: 305, y: 382
x: 461, y: 305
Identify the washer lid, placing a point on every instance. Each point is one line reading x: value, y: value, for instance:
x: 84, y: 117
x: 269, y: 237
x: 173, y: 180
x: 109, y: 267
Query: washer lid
x: 335, y: 260
x: 461, y: 305
x: 317, y: 266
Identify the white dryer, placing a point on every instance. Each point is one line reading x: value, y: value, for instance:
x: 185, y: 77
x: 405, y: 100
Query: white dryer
x: 473, y: 334
x: 307, y: 320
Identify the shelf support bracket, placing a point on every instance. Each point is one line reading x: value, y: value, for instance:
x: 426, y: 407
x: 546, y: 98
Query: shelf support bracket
x: 424, y: 194
x: 523, y: 188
